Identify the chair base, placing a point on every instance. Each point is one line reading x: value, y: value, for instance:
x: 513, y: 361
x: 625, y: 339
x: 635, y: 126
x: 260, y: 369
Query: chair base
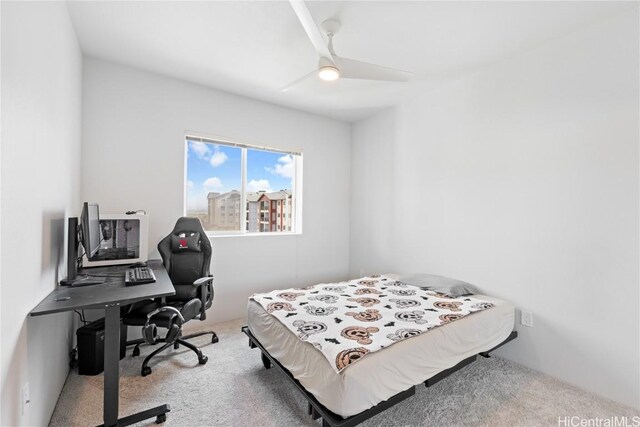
x: 202, y: 359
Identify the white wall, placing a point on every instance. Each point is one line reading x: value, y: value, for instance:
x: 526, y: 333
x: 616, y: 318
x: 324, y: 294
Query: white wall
x: 372, y: 195
x: 523, y: 179
x: 133, y: 158
x: 41, y: 83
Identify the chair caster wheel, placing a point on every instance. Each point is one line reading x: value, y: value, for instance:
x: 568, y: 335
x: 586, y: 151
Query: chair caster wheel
x: 202, y: 360
x: 176, y: 346
x: 161, y: 418
x: 136, y: 352
x: 145, y: 371
x: 214, y: 339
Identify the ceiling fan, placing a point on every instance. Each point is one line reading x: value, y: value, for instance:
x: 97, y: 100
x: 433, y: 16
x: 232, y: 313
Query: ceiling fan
x: 331, y: 66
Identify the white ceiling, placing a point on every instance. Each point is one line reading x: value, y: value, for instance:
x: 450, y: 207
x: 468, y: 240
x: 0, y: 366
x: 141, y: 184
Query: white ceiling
x: 256, y: 48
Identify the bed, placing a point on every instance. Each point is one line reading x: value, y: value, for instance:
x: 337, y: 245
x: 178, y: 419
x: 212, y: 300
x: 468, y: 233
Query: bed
x: 383, y: 377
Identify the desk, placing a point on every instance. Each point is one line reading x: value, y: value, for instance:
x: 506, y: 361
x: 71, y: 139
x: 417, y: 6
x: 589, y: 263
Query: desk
x: 110, y: 296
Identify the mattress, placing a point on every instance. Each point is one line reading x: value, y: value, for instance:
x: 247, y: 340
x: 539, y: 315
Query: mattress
x: 386, y: 372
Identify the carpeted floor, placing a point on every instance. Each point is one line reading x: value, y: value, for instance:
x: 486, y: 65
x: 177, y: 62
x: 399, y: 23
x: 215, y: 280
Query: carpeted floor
x: 234, y: 389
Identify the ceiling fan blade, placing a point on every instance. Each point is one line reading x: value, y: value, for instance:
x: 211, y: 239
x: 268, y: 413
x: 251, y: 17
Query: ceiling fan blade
x: 352, y: 69
x: 300, y: 80
x: 310, y: 27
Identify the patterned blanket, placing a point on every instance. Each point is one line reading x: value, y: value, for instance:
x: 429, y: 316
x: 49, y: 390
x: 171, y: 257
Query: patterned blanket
x: 347, y: 321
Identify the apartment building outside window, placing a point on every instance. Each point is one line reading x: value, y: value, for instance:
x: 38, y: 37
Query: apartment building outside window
x: 239, y: 188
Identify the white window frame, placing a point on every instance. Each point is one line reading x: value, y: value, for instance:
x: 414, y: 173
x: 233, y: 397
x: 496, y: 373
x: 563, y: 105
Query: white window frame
x: 296, y: 188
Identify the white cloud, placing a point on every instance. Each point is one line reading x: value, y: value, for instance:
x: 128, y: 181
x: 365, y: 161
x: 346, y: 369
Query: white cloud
x: 218, y: 158
x: 190, y: 184
x: 283, y: 168
x: 259, y: 185
x: 215, y: 157
x: 200, y: 148
x: 212, y: 183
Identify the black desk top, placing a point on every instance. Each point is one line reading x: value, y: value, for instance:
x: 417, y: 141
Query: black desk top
x: 112, y: 292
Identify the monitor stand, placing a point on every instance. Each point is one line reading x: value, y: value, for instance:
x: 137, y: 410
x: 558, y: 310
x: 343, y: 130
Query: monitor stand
x: 72, y: 258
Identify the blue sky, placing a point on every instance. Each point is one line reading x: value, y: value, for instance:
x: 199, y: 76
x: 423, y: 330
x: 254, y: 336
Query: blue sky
x: 216, y: 168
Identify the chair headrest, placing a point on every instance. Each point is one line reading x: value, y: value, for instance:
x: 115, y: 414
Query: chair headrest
x: 188, y: 225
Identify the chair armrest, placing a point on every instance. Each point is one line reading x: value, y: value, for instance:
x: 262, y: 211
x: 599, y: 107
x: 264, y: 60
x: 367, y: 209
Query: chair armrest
x: 206, y: 294
x: 201, y: 281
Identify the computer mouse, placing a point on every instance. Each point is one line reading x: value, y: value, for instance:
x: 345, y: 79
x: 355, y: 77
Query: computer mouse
x: 138, y: 264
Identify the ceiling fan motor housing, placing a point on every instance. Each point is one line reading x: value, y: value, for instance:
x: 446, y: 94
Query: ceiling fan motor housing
x: 331, y: 26
x: 326, y: 62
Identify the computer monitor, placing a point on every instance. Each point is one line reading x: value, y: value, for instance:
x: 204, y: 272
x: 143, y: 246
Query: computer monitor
x: 91, y: 234
x: 124, y: 240
x: 87, y: 232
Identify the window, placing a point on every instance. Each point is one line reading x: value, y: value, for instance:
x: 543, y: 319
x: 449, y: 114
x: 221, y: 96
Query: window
x: 227, y: 181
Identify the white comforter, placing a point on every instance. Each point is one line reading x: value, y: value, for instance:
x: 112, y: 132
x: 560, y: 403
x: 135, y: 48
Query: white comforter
x: 347, y: 321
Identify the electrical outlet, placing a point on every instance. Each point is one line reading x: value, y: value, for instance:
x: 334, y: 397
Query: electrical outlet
x: 25, y: 396
x: 526, y: 319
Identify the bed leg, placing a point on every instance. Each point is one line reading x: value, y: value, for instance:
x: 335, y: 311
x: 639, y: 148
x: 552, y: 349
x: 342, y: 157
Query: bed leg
x: 312, y: 411
x: 265, y: 361
x: 325, y: 423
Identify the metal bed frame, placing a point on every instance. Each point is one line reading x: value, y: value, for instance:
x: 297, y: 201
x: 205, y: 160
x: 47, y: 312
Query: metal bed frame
x: 329, y: 419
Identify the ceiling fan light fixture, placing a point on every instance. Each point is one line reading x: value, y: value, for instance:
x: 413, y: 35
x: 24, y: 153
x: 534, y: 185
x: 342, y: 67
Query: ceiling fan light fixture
x: 328, y: 73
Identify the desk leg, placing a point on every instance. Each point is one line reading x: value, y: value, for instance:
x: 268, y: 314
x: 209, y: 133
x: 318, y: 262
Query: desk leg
x: 112, y: 377
x: 111, y: 365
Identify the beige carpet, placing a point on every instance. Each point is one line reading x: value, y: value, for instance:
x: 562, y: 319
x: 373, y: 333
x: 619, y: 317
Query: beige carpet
x: 233, y: 389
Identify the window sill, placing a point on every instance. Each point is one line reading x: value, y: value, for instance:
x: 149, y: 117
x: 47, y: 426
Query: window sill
x: 270, y: 233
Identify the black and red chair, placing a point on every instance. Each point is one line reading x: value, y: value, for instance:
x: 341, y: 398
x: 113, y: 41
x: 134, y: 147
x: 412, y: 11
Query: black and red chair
x: 186, y: 255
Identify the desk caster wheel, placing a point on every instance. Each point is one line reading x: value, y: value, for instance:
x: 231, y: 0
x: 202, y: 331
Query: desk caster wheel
x: 136, y: 352
x: 214, y: 339
x: 203, y: 360
x: 161, y: 418
x: 145, y: 371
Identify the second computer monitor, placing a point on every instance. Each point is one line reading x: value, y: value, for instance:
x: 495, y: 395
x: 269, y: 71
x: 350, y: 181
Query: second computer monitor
x: 90, y: 223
